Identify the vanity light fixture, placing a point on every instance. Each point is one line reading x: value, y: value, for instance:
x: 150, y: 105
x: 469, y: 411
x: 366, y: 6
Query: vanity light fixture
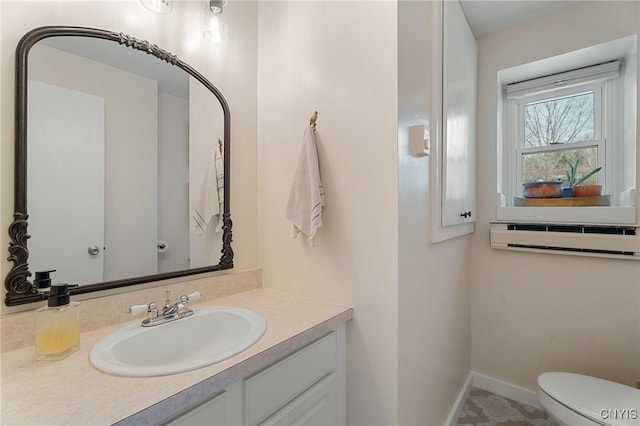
x: 158, y: 6
x: 216, y: 30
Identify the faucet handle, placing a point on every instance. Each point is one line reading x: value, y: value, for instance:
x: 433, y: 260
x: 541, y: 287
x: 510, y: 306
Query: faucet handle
x: 182, y: 304
x: 193, y: 296
x: 150, y: 308
x: 137, y: 309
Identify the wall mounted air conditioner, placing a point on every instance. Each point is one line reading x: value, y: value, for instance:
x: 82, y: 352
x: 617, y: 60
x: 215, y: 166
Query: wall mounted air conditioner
x: 622, y: 242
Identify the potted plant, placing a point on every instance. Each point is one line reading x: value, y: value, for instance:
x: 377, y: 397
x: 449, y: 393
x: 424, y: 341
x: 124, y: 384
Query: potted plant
x: 573, y: 181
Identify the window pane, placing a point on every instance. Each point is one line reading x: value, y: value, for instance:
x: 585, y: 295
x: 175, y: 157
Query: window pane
x: 553, y: 165
x: 560, y: 120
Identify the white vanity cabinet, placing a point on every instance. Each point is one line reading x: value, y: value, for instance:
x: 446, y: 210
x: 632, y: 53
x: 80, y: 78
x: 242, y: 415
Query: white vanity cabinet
x: 305, y: 388
x: 317, y: 406
x: 224, y: 409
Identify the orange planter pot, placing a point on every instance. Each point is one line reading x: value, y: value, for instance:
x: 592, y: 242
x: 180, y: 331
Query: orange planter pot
x: 550, y: 189
x: 587, y: 190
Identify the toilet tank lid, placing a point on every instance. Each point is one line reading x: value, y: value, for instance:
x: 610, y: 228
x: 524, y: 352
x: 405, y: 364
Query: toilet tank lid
x: 589, y: 396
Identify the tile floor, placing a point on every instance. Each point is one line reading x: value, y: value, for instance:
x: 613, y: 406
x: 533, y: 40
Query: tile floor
x: 483, y: 408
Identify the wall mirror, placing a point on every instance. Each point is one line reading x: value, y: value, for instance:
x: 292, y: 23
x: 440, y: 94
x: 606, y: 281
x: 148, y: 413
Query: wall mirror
x: 122, y: 164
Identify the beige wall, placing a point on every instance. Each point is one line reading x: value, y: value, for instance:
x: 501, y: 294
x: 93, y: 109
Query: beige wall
x: 232, y: 68
x: 536, y: 312
x: 338, y: 58
x: 409, y: 344
x: 433, y: 279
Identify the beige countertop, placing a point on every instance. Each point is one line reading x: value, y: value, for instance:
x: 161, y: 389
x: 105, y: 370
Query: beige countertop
x: 73, y: 392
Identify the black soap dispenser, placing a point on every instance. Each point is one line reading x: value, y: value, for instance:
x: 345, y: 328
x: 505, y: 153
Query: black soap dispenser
x: 42, y: 282
x: 57, y: 325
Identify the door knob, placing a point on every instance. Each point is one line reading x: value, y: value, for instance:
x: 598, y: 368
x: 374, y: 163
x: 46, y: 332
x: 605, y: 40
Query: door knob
x: 93, y: 250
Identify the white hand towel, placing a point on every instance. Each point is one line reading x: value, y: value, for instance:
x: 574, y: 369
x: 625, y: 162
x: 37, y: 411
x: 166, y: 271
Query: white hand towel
x: 220, y: 186
x: 306, y: 197
x: 208, y: 204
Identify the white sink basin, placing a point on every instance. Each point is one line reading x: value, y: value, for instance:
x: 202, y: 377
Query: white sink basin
x: 210, y: 335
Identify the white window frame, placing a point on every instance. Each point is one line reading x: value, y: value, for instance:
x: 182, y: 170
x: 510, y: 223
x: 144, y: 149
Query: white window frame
x: 606, y: 82
x: 598, y: 140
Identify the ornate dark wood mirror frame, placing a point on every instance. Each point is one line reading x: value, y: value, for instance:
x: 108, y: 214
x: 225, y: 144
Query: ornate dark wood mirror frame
x: 19, y: 288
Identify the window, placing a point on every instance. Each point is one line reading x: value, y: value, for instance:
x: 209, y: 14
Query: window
x: 564, y: 119
x: 557, y: 129
x: 553, y: 122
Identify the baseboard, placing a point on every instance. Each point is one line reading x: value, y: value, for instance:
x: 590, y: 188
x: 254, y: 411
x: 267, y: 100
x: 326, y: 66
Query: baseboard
x: 516, y: 393
x: 522, y: 395
x: 458, y: 405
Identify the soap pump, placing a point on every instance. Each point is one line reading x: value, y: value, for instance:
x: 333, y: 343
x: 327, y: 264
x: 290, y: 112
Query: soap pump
x: 57, y: 325
x: 42, y: 282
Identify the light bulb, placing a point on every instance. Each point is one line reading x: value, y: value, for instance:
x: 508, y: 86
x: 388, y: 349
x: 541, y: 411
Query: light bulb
x: 216, y: 30
x: 158, y: 6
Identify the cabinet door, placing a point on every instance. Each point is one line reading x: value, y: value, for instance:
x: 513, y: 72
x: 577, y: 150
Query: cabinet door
x: 275, y: 387
x: 459, y: 75
x: 315, y: 407
x: 224, y: 409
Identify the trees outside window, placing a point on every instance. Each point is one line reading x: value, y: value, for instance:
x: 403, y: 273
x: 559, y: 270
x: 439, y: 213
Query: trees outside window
x: 557, y: 130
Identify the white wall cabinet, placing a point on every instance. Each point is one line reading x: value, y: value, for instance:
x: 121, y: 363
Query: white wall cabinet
x: 305, y: 388
x: 454, y: 112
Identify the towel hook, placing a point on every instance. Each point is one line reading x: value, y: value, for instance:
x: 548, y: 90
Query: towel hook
x: 313, y: 119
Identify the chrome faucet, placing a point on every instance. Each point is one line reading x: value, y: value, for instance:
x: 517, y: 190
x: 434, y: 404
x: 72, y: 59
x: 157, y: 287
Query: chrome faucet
x: 170, y: 312
x: 168, y: 309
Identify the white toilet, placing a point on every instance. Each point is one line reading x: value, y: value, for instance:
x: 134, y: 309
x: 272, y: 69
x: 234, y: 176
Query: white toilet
x: 576, y: 400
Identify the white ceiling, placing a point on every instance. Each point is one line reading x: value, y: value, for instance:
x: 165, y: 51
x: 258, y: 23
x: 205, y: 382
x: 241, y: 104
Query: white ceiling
x: 488, y: 16
x: 171, y: 79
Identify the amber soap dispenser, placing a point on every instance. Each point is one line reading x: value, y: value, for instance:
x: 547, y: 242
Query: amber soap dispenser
x: 57, y: 325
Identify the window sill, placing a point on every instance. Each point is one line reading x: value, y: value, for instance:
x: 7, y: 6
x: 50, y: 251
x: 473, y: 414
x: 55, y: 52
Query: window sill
x: 615, y: 215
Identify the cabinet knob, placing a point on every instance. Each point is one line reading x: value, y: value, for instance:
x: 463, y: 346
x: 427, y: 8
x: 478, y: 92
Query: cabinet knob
x: 466, y: 214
